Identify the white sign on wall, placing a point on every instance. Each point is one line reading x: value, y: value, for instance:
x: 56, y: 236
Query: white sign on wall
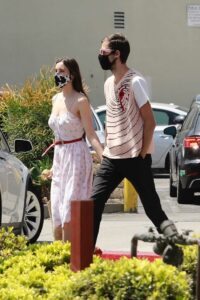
x: 193, y: 15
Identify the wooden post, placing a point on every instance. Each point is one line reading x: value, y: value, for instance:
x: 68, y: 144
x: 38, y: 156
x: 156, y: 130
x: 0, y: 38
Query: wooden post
x: 82, y: 246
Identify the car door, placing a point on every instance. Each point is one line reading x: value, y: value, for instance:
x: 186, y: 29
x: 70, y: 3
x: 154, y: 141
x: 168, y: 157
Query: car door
x: 11, y: 183
x: 98, y: 127
x: 162, y: 146
x: 162, y: 142
x: 178, y: 142
x: 3, y: 181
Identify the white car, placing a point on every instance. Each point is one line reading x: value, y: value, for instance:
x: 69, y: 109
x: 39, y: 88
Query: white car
x: 20, y: 205
x: 165, y: 115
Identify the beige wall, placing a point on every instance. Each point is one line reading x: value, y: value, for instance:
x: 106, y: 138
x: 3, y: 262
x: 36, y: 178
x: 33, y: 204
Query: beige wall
x: 164, y: 48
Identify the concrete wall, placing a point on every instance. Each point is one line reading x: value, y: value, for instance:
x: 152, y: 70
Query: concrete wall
x: 164, y: 48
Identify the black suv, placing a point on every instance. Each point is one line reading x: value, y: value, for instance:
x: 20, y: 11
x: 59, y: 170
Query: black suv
x: 185, y: 155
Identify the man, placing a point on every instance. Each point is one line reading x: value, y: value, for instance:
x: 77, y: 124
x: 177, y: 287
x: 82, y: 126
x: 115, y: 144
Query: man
x: 129, y: 131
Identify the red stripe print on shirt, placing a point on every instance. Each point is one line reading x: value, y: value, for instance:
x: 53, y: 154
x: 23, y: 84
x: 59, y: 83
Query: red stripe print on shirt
x: 124, y: 124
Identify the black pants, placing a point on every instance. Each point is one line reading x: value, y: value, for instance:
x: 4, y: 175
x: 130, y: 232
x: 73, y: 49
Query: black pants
x: 138, y: 171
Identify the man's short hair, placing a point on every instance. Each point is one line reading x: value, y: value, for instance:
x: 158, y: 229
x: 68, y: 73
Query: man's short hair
x: 118, y: 41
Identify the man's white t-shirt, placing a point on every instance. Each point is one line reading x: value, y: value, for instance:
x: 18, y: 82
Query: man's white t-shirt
x: 124, y: 124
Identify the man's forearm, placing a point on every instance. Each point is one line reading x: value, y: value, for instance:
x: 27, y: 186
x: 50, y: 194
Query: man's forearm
x: 147, y: 138
x: 148, y: 127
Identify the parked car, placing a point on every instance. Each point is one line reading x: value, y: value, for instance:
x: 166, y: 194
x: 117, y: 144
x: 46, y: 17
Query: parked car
x: 20, y: 205
x: 165, y: 114
x: 185, y: 155
x: 98, y: 127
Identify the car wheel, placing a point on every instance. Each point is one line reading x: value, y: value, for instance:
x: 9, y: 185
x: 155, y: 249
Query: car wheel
x: 172, y: 189
x: 33, y: 216
x: 183, y: 195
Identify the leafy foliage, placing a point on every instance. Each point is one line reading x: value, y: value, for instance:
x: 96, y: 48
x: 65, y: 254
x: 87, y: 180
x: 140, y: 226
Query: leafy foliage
x: 11, y: 244
x: 38, y: 167
x: 25, y: 112
x: 190, y: 264
x: 130, y: 279
x: 41, y: 271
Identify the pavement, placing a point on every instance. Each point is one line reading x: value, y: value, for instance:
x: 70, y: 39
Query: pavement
x: 118, y: 228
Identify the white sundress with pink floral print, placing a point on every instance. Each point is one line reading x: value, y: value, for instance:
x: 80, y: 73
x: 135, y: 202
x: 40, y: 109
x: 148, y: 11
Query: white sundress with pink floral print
x: 72, y: 167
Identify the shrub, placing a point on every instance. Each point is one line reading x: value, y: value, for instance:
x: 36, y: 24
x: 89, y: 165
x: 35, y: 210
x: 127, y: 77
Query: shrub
x: 38, y: 167
x: 37, y: 272
x: 130, y: 279
x: 25, y: 112
x: 190, y: 265
x: 11, y: 244
x: 47, y: 276
x: 41, y: 271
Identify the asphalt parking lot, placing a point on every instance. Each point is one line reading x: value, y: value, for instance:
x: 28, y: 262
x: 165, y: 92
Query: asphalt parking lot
x: 117, y: 229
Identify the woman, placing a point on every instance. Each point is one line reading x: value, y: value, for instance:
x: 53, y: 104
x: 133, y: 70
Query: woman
x: 70, y: 120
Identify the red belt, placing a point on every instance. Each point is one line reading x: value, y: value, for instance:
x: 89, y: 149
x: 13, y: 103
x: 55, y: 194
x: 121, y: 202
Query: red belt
x: 61, y: 143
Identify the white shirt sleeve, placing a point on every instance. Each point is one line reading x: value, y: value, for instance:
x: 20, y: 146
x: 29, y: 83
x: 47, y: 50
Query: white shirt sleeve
x: 140, y: 90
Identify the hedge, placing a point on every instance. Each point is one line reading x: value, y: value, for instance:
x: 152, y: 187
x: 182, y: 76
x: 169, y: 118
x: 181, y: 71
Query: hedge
x: 25, y: 112
x: 42, y: 271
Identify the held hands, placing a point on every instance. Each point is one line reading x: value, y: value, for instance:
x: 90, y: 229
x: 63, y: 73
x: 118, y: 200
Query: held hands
x: 95, y: 157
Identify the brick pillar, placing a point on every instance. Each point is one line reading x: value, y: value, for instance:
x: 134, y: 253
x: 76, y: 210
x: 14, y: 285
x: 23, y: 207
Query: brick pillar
x: 82, y: 247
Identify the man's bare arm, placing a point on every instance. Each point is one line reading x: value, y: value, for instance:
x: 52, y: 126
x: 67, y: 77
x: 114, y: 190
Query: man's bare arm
x: 149, y: 126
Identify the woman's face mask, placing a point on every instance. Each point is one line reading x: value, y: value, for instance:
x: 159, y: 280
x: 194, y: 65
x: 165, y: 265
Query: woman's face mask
x: 61, y: 80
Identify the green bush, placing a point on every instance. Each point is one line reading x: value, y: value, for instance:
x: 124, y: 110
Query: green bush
x: 41, y: 271
x: 37, y: 273
x: 36, y: 170
x: 25, y: 112
x: 45, y: 274
x: 130, y: 279
x: 190, y: 265
x: 10, y: 243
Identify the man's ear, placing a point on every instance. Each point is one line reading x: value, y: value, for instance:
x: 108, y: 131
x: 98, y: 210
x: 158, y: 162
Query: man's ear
x: 117, y: 53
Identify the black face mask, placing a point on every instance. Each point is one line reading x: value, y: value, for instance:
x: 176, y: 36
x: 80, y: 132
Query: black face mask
x: 104, y: 62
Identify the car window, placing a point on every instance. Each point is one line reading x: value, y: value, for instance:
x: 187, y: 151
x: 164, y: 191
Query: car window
x: 187, y: 124
x: 95, y: 123
x: 161, y: 117
x: 102, y: 116
x: 198, y: 123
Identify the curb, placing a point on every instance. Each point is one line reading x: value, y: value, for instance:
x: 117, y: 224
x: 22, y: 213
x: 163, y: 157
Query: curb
x: 113, y: 208
x: 115, y: 255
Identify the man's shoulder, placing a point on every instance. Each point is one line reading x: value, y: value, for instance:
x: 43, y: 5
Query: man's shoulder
x: 137, y: 75
x: 138, y: 78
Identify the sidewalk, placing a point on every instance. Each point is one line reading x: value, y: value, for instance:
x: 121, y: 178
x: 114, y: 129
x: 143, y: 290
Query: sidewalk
x: 117, y: 229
